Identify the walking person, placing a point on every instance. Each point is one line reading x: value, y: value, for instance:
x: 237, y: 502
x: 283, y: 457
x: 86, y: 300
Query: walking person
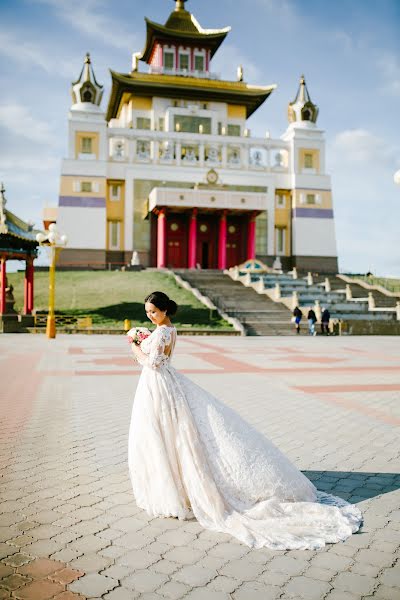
x: 191, y: 456
x: 297, y: 314
x: 325, y: 318
x: 312, y: 319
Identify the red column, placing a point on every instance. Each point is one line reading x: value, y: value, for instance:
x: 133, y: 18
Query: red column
x: 222, y: 242
x: 2, y: 286
x: 251, y: 236
x: 28, y: 287
x: 161, y: 238
x: 192, y: 240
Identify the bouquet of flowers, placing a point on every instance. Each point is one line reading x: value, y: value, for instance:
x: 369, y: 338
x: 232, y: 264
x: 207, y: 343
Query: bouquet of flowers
x: 136, y: 335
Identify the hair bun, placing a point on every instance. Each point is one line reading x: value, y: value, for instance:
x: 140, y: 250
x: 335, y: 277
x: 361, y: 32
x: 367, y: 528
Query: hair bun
x: 172, y: 307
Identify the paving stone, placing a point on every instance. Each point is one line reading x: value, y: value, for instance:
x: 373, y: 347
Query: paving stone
x: 173, y: 590
x: 251, y: 591
x: 133, y: 540
x: 358, y: 584
x: 303, y: 587
x: 5, y: 570
x: 4, y: 594
x: 117, y: 572
x: 207, y: 594
x: 89, y: 543
x: 66, y: 575
x: 42, y: 548
x: 7, y: 550
x: 224, y: 584
x: 373, y: 557
x: 44, y: 532
x: 391, y: 577
x: 165, y: 566
x: 176, y: 537
x: 183, y: 555
x: 16, y: 560
x: 40, y: 567
x: 242, y: 570
x: 194, y: 576
x: 274, y: 578
x: 342, y: 595
x: 122, y: 593
x: 319, y: 574
x: 144, y: 581
x: 14, y: 581
x: 93, y: 584
x: 387, y: 593
x: 68, y: 596
x: 21, y: 540
x: 137, y: 559
x: 91, y: 563
x: 287, y: 564
x: 42, y: 589
x: 228, y: 551
x: 332, y: 562
x: 112, y: 552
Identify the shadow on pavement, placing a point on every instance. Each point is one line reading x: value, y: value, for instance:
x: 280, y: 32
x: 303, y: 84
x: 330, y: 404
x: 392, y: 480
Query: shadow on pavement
x: 353, y: 486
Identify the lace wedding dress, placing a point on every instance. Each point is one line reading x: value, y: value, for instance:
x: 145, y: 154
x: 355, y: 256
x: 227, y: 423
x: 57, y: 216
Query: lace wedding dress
x: 189, y: 454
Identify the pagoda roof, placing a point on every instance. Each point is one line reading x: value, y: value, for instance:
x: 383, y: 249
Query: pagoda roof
x: 176, y: 86
x: 181, y: 26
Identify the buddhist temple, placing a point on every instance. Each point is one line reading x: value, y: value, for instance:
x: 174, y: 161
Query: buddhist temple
x: 170, y: 170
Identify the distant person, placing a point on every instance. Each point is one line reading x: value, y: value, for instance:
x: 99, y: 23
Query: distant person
x: 297, y: 314
x: 325, y: 318
x: 312, y: 319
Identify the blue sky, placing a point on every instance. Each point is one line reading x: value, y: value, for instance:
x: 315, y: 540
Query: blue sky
x: 349, y: 51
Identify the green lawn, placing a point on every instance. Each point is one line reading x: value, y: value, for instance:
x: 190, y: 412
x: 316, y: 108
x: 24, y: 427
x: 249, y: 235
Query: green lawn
x: 109, y: 297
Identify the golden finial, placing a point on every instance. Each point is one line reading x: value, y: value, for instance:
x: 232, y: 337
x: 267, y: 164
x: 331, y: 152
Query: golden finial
x: 87, y: 59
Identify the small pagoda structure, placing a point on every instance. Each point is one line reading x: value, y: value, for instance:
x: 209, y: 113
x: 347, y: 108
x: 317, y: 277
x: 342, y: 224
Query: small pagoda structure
x: 17, y: 242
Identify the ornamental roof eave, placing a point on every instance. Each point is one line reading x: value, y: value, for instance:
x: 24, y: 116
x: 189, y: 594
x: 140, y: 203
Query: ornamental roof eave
x: 175, y: 86
x: 212, y: 38
x: 16, y: 227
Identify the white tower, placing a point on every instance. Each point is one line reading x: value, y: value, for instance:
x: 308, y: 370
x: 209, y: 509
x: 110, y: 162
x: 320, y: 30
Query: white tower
x: 313, y: 230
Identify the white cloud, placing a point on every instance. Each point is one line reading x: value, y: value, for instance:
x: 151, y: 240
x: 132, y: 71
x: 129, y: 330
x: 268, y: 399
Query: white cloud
x: 360, y: 146
x: 17, y: 119
x: 87, y: 17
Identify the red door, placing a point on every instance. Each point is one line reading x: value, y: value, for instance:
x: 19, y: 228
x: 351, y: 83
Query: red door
x: 207, y: 241
x: 176, y: 240
x: 235, y: 227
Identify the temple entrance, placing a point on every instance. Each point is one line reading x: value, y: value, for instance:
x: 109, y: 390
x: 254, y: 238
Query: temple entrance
x: 235, y: 241
x: 207, y: 241
x: 177, y: 241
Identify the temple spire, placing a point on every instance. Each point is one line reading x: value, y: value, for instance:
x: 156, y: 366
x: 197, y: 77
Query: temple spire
x: 86, y: 89
x: 302, y: 108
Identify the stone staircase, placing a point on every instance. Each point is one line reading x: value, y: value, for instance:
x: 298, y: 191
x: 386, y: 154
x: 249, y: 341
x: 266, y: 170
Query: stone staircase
x: 258, y: 313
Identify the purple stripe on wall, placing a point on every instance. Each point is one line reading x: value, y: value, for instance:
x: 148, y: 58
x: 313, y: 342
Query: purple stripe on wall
x: 313, y: 213
x: 82, y: 201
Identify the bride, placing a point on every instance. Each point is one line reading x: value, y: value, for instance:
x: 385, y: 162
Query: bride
x: 190, y: 455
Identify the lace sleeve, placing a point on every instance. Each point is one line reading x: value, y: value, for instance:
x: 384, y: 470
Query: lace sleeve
x: 161, y: 338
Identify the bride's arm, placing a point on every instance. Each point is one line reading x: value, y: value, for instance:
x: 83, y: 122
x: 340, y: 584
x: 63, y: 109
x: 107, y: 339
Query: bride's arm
x: 154, y: 359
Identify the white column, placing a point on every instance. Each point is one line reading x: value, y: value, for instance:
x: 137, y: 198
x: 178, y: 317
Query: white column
x: 128, y: 224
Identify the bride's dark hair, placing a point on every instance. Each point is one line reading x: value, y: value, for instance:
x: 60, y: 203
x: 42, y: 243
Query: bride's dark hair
x: 162, y: 302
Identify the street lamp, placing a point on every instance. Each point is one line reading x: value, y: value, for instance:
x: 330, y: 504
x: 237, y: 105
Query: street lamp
x: 56, y: 242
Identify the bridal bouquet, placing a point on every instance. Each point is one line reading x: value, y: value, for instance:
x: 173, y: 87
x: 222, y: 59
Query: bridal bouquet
x: 136, y: 335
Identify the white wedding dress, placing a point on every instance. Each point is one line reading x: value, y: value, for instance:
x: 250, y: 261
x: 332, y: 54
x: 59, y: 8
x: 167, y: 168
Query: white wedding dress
x: 189, y: 454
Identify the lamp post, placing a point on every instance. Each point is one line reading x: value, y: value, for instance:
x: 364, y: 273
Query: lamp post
x: 56, y: 242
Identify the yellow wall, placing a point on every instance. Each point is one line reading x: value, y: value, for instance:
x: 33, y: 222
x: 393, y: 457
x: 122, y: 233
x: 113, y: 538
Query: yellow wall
x: 115, y: 210
x: 315, y: 155
x: 325, y: 195
x: 141, y: 103
x: 67, y: 186
x: 283, y: 218
x: 86, y: 134
x: 236, y: 112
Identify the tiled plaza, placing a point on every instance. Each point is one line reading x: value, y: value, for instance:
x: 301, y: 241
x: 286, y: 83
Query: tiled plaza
x: 69, y: 526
